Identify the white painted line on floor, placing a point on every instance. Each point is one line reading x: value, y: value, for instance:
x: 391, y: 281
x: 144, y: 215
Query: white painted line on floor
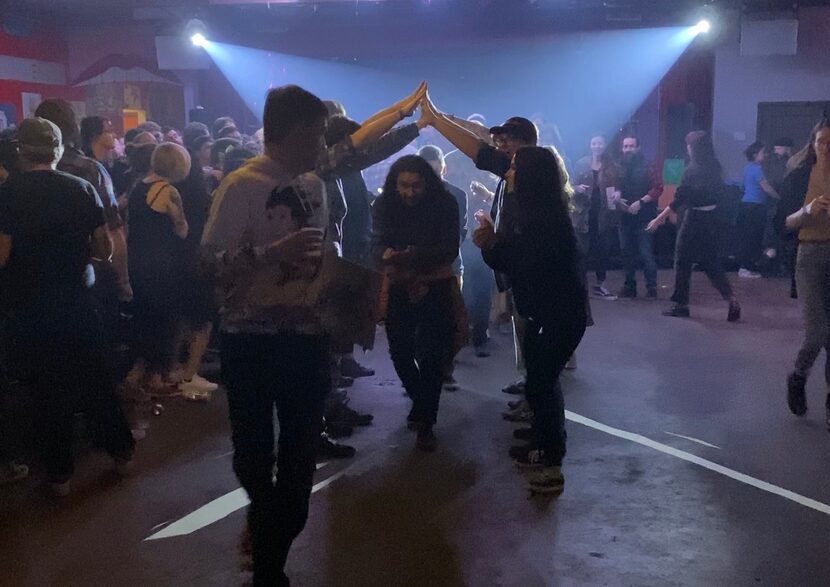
x: 680, y: 454
x: 697, y: 440
x: 221, y: 508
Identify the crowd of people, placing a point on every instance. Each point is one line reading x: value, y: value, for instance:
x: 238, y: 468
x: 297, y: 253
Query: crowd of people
x: 142, y: 254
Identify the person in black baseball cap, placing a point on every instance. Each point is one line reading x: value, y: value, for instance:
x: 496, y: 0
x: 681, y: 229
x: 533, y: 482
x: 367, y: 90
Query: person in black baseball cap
x: 518, y: 129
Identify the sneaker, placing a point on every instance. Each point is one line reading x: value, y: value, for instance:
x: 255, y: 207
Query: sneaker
x: 12, y: 472
x: 515, y: 388
x: 525, y: 434
x: 628, y: 293
x: 349, y: 367
x: 734, y: 312
x: 747, y: 274
x: 571, y: 364
x: 481, y: 351
x: 426, y: 440
x: 677, y: 311
x: 770, y: 253
x: 515, y: 404
x: 530, y: 459
x: 796, y: 397
x: 343, y: 414
x: 651, y: 294
x: 547, y: 481
x: 601, y: 292
x: 450, y: 384
x: 345, y: 382
x: 328, y: 449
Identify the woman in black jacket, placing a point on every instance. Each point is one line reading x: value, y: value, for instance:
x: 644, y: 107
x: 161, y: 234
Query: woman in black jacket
x: 541, y: 258
x: 698, y: 195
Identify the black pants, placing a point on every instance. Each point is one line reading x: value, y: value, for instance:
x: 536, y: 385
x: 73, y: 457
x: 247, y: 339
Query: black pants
x: 62, y: 354
x: 478, y: 292
x: 290, y: 372
x: 752, y: 222
x: 597, y: 246
x: 547, y: 350
x: 420, y: 342
x: 698, y: 242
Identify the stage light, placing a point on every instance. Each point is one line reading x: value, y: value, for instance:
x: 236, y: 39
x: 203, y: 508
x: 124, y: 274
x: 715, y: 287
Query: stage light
x: 199, y: 40
x: 703, y: 27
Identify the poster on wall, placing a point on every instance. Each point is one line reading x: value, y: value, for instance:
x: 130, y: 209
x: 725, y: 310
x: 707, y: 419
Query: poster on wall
x: 7, y: 115
x: 30, y: 103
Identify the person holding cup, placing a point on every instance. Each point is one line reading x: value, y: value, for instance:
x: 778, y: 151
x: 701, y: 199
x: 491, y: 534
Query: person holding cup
x: 597, y: 201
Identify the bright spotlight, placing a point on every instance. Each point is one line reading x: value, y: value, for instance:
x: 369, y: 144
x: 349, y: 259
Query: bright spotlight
x: 703, y: 27
x: 199, y: 40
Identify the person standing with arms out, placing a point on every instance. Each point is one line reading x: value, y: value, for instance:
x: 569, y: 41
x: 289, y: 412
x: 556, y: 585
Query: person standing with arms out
x: 515, y: 133
x: 698, y: 237
x: 811, y: 177
x: 540, y: 255
x: 51, y: 227
x: 274, y: 350
x: 415, y: 240
x: 596, y: 203
x: 752, y: 218
x: 640, y: 187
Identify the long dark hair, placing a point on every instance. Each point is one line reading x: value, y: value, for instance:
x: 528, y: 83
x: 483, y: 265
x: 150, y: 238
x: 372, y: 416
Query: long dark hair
x: 539, y: 189
x: 807, y: 157
x: 704, y: 165
x: 412, y: 164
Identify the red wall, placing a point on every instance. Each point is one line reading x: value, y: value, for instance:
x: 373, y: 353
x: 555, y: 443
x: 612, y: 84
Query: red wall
x: 41, y: 45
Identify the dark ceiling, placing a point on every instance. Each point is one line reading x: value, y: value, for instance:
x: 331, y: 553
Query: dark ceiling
x: 491, y: 16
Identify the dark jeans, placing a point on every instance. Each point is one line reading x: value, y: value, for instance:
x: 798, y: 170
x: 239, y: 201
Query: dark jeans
x: 813, y: 274
x: 420, y: 341
x: 597, y: 245
x: 260, y: 372
x: 698, y: 242
x: 62, y: 354
x: 752, y: 221
x: 636, y: 243
x: 547, y: 350
x: 478, y: 292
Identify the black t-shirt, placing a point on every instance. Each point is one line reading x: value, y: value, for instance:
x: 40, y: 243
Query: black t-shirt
x: 50, y: 217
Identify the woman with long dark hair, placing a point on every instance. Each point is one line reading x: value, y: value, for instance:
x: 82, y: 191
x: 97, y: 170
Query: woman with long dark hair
x: 808, y: 186
x: 595, y: 209
x: 414, y: 242
x: 541, y: 257
x: 698, y: 237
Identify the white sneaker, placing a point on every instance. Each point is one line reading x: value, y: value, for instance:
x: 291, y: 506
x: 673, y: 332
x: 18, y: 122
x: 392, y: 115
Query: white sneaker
x: 770, y: 253
x: 747, y: 274
x: 199, y: 382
